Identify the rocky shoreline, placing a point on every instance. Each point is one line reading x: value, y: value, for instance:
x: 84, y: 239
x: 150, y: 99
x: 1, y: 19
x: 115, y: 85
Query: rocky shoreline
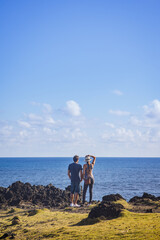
x: 42, y: 212
x: 25, y: 195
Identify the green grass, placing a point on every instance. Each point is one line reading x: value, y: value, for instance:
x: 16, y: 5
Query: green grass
x: 46, y: 224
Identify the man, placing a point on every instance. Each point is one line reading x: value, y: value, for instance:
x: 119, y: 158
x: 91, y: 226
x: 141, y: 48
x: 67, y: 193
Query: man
x: 75, y: 174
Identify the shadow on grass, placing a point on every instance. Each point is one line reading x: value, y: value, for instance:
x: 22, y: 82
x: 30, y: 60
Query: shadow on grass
x: 33, y: 212
x: 90, y: 221
x: 9, y: 234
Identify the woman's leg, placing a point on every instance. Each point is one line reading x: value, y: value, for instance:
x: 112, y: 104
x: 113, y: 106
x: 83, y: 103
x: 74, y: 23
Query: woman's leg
x: 84, y: 192
x: 90, y: 192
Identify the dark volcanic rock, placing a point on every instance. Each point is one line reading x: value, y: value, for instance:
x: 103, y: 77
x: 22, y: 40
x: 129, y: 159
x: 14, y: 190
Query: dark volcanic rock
x: 107, y: 210
x: 149, y: 196
x: 135, y: 199
x: 68, y: 188
x: 19, y: 193
x: 15, y: 220
x: 149, y: 210
x: 112, y: 197
x: 2, y: 190
x: 144, y: 199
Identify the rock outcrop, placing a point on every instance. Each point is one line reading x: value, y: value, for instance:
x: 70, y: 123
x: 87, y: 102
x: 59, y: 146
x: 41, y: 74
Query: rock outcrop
x: 112, y: 197
x: 106, y: 209
x: 44, y: 196
x: 144, y: 199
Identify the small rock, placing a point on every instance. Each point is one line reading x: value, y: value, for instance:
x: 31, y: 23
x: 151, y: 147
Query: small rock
x: 15, y: 220
x: 149, y: 211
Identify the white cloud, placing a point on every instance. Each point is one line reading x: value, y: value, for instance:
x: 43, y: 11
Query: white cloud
x: 77, y: 133
x: 24, y: 124
x: 43, y: 118
x: 135, y: 121
x: 119, y: 113
x: 6, y: 130
x: 50, y: 120
x: 40, y: 130
x: 124, y: 134
x: 73, y: 108
x: 111, y: 125
x: 153, y: 110
x: 106, y: 136
x: 47, y: 130
x: 34, y: 117
x: 119, y: 135
x: 143, y: 130
x: 117, y: 92
x: 150, y: 117
x: 23, y: 133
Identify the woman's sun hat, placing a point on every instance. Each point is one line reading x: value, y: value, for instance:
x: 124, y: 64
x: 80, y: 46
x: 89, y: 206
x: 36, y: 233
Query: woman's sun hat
x: 87, y: 159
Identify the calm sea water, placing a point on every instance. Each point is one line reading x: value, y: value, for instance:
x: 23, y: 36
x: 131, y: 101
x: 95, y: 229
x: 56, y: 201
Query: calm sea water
x: 126, y: 176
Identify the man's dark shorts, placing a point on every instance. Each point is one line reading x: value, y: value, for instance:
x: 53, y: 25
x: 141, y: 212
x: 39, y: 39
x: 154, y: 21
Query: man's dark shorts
x: 75, y: 187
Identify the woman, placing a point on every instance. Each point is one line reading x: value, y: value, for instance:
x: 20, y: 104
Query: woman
x: 88, y: 176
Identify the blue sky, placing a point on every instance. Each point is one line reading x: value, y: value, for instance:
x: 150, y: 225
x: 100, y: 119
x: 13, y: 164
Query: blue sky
x: 80, y: 77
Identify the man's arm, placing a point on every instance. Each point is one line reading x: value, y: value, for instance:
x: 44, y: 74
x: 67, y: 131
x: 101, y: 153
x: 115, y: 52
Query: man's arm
x: 69, y: 174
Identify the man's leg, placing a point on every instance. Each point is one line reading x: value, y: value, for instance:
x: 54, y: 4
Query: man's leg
x: 72, y: 194
x: 77, y: 192
x: 72, y: 197
x: 76, y: 198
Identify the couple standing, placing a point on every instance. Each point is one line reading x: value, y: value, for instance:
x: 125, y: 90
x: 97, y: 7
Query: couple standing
x: 76, y: 174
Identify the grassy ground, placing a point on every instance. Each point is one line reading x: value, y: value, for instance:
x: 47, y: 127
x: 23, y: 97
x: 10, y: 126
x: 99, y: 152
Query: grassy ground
x: 46, y: 224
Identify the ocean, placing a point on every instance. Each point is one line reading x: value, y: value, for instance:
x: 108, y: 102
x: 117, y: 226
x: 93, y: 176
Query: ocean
x: 127, y: 176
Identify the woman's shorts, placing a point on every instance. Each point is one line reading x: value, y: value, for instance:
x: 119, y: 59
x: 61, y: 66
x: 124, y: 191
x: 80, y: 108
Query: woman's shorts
x: 75, y: 187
